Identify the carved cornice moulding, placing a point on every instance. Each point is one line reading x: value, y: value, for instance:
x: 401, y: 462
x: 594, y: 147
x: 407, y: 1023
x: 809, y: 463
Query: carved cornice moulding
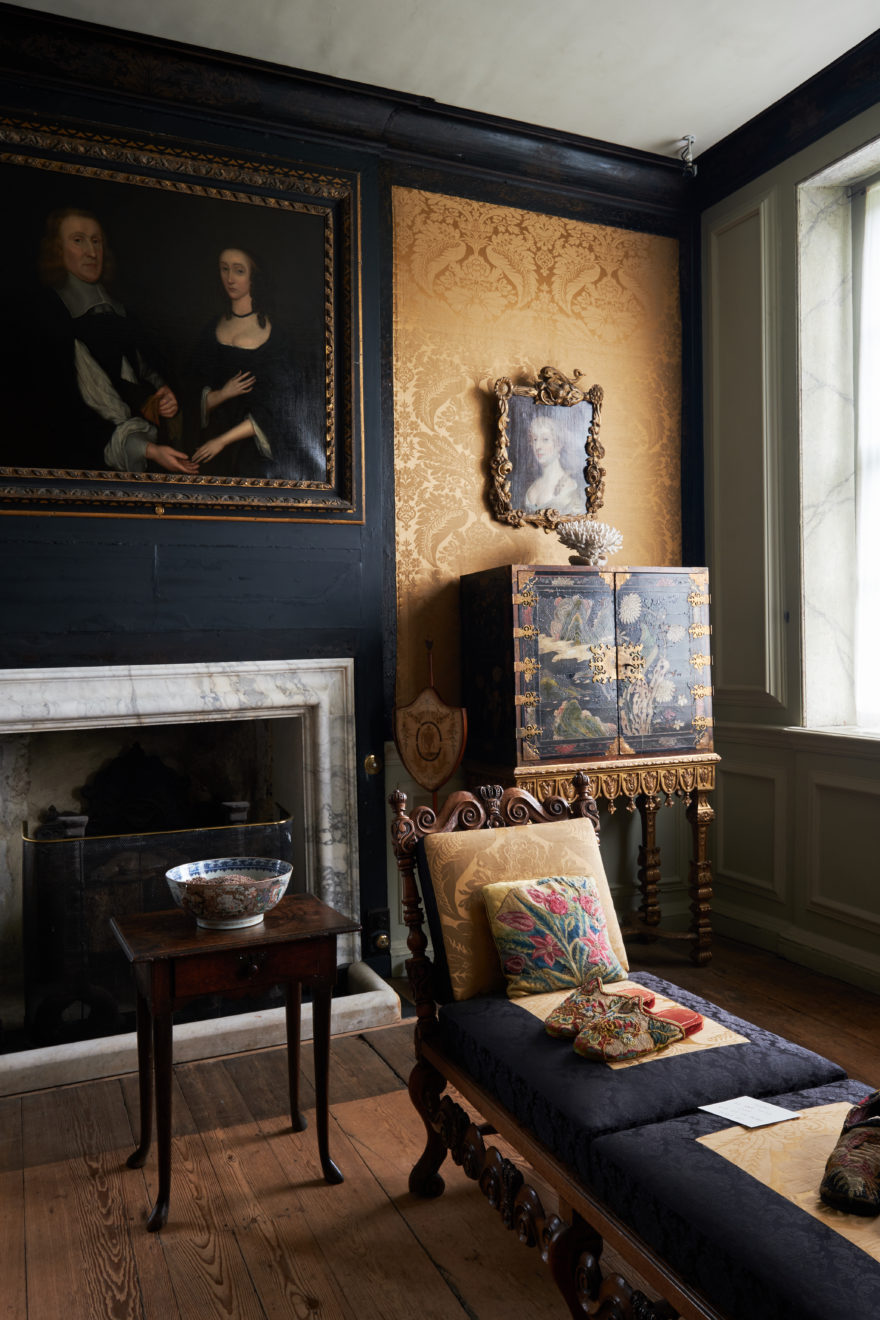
x: 62, y: 53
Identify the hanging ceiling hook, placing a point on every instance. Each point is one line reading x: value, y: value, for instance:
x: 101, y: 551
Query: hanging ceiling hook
x: 687, y: 154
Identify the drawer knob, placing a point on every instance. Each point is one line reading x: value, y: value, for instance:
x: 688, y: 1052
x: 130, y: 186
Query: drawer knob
x: 250, y: 965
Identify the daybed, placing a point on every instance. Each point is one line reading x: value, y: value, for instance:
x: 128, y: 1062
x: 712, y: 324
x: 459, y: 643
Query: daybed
x: 684, y: 1197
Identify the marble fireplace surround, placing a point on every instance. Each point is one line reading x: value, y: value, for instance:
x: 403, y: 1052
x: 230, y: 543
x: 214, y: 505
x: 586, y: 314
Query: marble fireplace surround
x: 316, y: 698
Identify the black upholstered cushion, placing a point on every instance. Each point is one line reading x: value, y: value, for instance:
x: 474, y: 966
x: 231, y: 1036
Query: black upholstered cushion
x: 750, y: 1251
x: 567, y: 1101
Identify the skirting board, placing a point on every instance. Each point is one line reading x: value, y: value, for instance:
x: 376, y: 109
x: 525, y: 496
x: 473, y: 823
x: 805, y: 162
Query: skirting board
x: 829, y: 957
x: 370, y: 1003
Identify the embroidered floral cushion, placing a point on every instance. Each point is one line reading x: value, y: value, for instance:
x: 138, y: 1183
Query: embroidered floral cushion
x: 461, y: 863
x: 550, y: 933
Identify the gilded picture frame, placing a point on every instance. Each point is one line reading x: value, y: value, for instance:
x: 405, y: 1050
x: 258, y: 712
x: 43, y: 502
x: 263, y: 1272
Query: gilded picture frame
x: 137, y: 384
x: 546, y: 459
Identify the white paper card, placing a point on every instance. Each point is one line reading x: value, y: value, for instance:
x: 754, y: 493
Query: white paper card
x: 749, y: 1112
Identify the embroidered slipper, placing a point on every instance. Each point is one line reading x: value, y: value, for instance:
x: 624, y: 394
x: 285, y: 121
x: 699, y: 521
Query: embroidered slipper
x: 588, y: 1002
x: 631, y: 1032
x: 852, y: 1173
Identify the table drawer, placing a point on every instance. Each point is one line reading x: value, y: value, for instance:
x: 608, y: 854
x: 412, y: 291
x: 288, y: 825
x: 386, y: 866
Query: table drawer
x: 243, y: 969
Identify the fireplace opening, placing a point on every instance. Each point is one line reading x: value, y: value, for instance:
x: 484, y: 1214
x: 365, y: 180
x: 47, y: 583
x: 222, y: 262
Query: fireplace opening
x: 109, y: 812
x: 292, y: 720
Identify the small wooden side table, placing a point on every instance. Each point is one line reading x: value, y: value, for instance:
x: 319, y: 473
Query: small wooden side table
x: 174, y: 960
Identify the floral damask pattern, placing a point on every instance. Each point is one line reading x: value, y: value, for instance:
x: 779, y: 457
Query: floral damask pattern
x: 485, y: 291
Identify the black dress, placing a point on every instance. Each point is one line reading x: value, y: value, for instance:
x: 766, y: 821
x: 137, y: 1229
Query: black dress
x: 283, y: 405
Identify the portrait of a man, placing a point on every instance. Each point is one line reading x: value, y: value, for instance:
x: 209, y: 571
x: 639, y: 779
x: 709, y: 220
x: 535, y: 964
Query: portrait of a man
x: 109, y: 402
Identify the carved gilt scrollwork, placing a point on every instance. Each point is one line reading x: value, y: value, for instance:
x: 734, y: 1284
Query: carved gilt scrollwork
x: 509, y: 469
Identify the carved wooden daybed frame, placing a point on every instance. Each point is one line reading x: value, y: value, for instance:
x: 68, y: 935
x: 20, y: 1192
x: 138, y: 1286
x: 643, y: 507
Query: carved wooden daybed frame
x: 570, y: 1239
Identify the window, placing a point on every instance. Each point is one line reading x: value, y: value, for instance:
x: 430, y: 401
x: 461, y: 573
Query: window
x: 866, y: 304
x: 839, y: 386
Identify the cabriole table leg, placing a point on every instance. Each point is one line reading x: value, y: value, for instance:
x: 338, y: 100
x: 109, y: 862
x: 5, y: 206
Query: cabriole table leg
x: 162, y: 1049
x: 145, y: 1080
x: 321, y: 1019
x: 292, y: 1005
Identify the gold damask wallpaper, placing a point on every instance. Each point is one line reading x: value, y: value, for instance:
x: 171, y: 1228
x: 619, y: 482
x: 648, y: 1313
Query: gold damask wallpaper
x: 484, y: 291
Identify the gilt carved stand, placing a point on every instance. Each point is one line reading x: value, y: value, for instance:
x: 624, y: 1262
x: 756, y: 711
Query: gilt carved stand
x: 644, y: 783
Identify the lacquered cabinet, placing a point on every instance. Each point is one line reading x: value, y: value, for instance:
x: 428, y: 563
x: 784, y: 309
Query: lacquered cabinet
x: 561, y: 663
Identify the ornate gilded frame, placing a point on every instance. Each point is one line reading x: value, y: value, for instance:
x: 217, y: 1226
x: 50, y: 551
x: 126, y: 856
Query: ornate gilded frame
x: 512, y: 481
x: 170, y: 200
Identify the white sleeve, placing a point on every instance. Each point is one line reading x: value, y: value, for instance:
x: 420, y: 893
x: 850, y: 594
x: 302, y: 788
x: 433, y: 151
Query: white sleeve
x: 126, y: 450
x: 261, y: 440
x: 96, y: 387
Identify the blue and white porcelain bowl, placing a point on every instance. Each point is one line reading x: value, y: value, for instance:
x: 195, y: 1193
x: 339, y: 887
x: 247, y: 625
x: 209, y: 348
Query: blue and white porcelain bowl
x: 227, y: 893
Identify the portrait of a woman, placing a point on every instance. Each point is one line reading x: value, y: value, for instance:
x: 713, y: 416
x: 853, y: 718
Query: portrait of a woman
x: 554, y: 487
x: 253, y: 385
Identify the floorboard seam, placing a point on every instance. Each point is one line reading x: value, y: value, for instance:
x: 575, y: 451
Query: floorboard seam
x: 390, y: 1066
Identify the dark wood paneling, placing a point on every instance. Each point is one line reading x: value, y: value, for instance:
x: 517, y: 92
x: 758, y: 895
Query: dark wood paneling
x: 120, y: 590
x: 99, y: 61
x: 835, y: 95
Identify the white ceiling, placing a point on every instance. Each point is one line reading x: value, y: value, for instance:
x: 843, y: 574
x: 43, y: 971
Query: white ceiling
x: 639, y: 73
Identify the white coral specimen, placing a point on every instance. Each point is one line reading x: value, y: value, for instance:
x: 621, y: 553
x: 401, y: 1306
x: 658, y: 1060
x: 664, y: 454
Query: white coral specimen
x: 593, y: 541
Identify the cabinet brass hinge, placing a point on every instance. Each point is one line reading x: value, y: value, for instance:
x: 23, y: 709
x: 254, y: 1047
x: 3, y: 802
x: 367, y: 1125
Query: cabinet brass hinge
x: 528, y: 667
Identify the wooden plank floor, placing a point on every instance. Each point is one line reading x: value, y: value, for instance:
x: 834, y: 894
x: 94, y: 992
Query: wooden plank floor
x: 255, y: 1232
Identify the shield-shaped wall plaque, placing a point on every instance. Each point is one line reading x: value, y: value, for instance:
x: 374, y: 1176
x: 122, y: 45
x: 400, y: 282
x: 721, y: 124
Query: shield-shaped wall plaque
x: 430, y: 738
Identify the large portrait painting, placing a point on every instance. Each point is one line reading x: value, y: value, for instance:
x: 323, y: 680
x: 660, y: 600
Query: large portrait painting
x: 185, y: 339
x: 545, y: 466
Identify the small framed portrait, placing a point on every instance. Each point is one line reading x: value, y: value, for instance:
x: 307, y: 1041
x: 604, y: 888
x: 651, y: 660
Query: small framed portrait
x: 186, y: 340
x: 545, y: 466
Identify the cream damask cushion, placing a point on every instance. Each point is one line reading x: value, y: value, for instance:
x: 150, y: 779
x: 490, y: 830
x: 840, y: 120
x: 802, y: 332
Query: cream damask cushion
x: 462, y: 863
